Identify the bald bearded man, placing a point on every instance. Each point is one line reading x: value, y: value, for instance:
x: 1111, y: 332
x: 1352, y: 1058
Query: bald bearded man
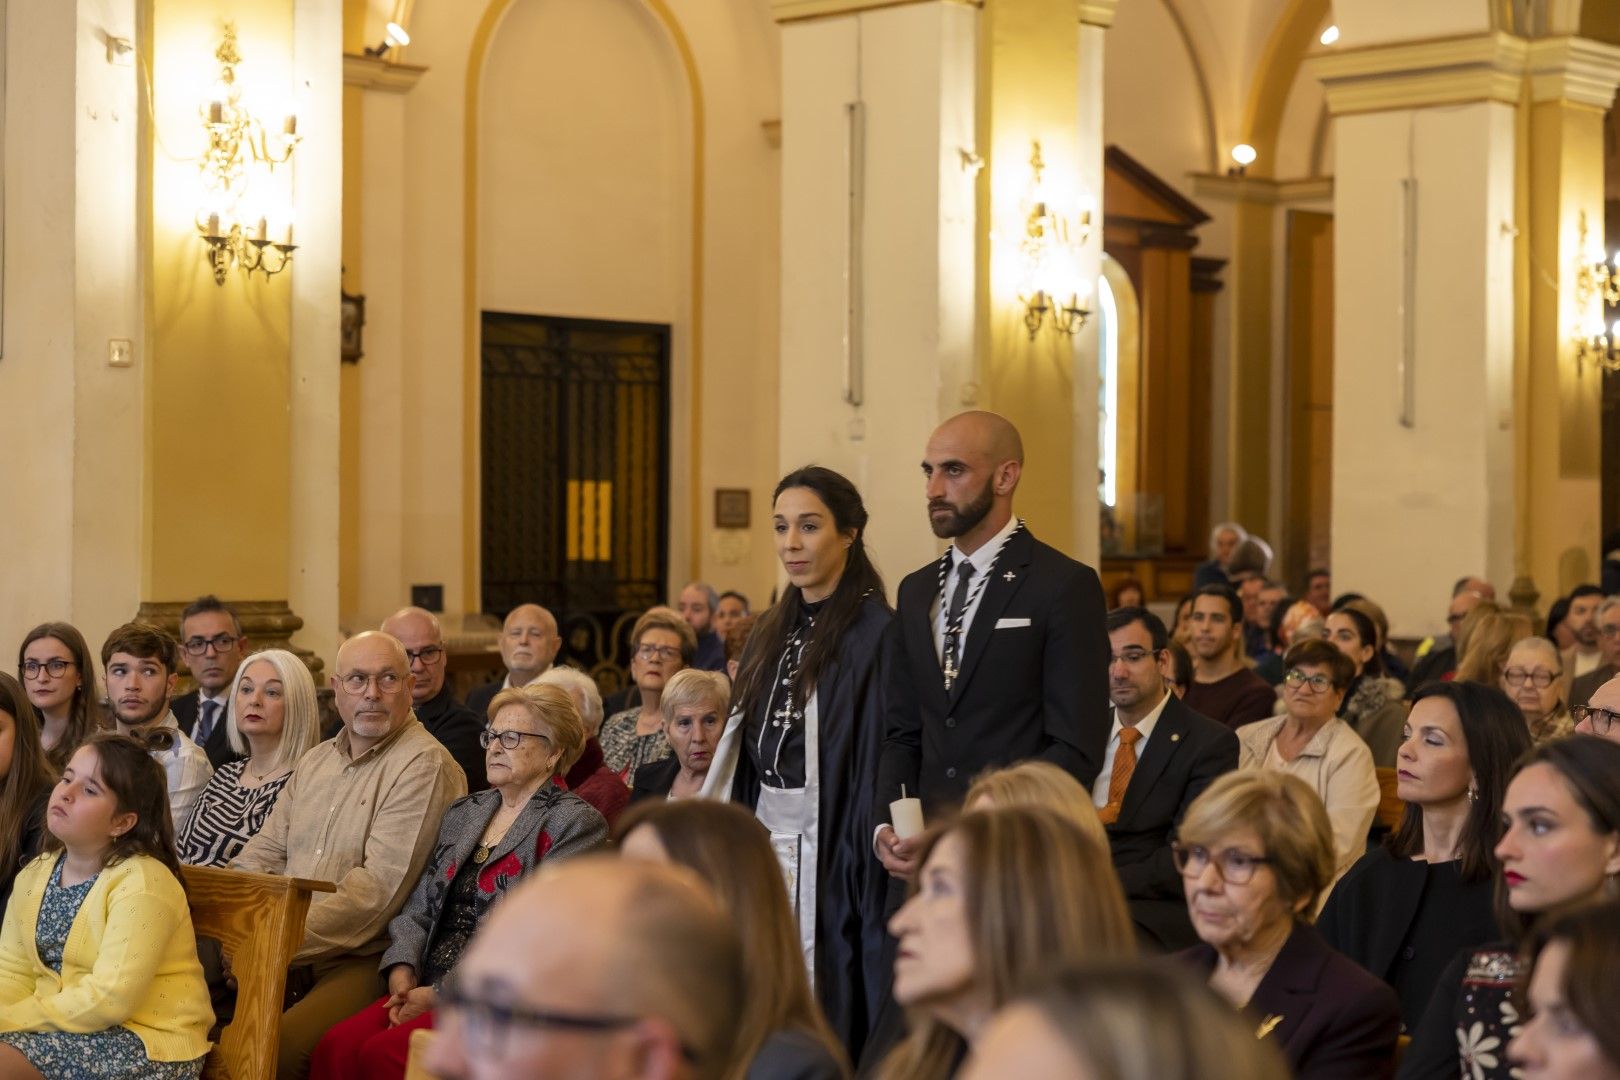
x: 529, y: 643
x: 999, y: 650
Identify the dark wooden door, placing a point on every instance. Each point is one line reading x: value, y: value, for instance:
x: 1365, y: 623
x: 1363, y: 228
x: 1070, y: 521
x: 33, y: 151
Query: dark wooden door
x: 576, y: 477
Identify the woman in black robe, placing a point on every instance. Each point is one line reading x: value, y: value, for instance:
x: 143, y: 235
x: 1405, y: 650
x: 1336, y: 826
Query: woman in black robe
x: 803, y: 741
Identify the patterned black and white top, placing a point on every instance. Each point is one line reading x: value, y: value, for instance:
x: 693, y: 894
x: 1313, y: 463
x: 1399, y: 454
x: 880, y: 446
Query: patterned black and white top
x: 225, y: 816
x: 624, y: 751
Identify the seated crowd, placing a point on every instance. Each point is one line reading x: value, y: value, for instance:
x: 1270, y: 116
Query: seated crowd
x: 558, y: 886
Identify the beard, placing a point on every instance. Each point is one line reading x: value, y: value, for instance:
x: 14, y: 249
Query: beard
x: 152, y: 712
x: 961, y: 519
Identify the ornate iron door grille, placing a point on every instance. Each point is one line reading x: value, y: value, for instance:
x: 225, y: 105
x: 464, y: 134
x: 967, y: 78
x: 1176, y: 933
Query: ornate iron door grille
x: 575, y: 477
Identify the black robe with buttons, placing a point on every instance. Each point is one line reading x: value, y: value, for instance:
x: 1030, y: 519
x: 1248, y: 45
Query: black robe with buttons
x: 850, y: 883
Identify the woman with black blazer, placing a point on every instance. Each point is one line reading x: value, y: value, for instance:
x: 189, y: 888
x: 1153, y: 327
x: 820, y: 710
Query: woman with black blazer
x: 1406, y: 908
x: 1255, y: 850
x: 694, y: 706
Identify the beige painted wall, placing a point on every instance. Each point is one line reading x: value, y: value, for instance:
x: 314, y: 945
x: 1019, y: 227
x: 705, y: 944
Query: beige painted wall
x: 536, y: 138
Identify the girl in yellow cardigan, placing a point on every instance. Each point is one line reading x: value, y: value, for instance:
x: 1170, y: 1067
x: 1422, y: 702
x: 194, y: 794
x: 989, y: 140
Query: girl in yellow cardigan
x: 99, y: 978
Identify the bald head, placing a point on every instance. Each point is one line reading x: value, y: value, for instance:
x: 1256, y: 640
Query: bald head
x: 972, y: 465
x: 419, y: 631
x: 376, y: 709
x: 643, y: 940
x: 529, y: 642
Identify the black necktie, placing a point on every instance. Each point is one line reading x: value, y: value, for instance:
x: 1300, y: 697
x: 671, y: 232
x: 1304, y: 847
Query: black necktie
x: 954, y: 614
x: 205, y: 725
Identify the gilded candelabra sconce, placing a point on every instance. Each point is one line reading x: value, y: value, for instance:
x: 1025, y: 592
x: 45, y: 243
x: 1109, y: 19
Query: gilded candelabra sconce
x: 236, y: 168
x: 1597, y: 288
x: 1048, y: 261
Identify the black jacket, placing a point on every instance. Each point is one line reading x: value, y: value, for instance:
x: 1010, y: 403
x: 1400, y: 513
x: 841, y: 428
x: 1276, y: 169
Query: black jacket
x: 1333, y: 1020
x: 458, y: 728
x: 1186, y: 752
x: 186, y: 709
x: 1034, y: 686
x: 654, y: 779
x: 1370, y: 914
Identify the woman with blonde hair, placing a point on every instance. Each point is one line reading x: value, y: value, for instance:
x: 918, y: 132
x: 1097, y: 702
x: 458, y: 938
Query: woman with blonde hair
x: 1255, y: 852
x: 1003, y: 896
x: 1121, y: 1021
x: 1483, y: 654
x: 780, y: 1030
x: 271, y: 720
x: 661, y: 644
x: 694, y: 706
x: 1037, y: 783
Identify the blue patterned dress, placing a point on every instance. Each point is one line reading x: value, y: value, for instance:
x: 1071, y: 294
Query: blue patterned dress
x: 114, y: 1054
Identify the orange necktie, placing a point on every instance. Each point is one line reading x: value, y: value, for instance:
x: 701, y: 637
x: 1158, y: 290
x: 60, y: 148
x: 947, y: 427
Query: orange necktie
x: 1120, y: 778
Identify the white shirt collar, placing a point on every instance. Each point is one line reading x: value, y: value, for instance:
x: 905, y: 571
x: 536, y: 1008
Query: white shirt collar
x: 1144, y: 725
x: 220, y: 700
x: 986, y: 552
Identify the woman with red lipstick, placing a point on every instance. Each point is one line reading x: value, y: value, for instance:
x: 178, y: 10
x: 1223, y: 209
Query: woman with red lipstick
x: 801, y: 748
x: 694, y: 707
x: 1406, y: 908
x: 1560, y: 850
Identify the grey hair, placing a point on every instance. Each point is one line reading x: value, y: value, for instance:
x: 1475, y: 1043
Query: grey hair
x: 708, y: 591
x: 582, y: 688
x: 1608, y: 605
x: 301, y: 718
x: 1227, y: 526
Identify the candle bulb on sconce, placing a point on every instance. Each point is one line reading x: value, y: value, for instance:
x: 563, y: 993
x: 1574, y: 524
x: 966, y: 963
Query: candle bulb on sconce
x: 290, y: 127
x: 216, y: 112
x: 262, y: 231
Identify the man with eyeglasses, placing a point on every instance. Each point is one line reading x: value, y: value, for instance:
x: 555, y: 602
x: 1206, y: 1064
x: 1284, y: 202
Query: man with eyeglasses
x: 362, y: 811
x: 1600, y: 716
x: 211, y: 638
x: 449, y: 721
x: 529, y: 643
x: 1161, y: 755
x: 629, y: 970
x: 1608, y: 627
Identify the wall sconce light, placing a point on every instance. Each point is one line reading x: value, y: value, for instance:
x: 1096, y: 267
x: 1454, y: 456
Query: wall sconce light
x: 394, y: 37
x: 1243, y: 155
x: 1597, y: 286
x: 1047, y: 257
x: 240, y: 146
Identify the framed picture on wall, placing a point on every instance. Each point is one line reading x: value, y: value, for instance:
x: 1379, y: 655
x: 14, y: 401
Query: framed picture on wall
x: 731, y: 508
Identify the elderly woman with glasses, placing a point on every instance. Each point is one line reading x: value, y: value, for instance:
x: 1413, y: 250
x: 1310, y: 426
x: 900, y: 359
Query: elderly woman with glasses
x: 487, y: 842
x: 1534, y: 679
x: 1255, y: 852
x: 661, y: 644
x: 1311, y: 742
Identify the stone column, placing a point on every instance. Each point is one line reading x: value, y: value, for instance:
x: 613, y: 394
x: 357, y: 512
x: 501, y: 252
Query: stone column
x: 1463, y: 439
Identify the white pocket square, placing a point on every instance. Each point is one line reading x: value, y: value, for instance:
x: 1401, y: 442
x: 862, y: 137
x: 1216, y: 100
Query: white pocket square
x: 1010, y: 624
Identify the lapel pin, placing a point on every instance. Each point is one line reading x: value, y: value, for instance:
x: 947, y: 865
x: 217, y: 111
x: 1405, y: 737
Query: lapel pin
x: 1176, y: 737
x: 1008, y: 576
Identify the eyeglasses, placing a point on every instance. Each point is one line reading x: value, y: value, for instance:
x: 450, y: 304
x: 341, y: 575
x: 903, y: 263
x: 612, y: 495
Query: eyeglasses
x: 55, y: 668
x: 429, y: 656
x: 1131, y: 656
x: 1235, y: 867
x: 1610, y: 631
x: 1540, y: 678
x: 486, y: 1024
x: 1297, y: 678
x: 662, y: 652
x: 509, y: 739
x: 198, y: 645
x: 1600, y: 719
x: 355, y: 682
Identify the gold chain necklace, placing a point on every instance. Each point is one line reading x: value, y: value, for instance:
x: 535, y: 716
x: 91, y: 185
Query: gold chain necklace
x: 487, y: 845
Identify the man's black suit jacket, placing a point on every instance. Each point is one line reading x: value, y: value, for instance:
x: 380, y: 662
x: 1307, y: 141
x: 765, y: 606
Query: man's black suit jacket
x: 186, y: 709
x: 1186, y: 751
x: 1033, y: 681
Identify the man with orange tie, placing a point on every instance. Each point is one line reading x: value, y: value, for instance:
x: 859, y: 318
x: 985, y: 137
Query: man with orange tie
x: 1160, y: 756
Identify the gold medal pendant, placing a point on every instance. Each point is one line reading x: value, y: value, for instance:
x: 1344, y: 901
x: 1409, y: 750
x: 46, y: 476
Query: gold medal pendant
x: 481, y: 854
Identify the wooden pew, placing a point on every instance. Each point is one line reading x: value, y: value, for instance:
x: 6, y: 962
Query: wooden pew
x: 1390, y: 807
x: 258, y: 919
x: 415, y: 1067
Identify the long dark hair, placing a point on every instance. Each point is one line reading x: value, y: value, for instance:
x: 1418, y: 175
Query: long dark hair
x: 139, y: 786
x: 29, y: 777
x: 860, y: 579
x: 1367, y: 633
x: 84, y: 714
x: 1590, y: 767
x: 1496, y: 737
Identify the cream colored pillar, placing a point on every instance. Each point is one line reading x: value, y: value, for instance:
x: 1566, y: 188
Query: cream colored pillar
x: 878, y: 250
x: 1460, y: 432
